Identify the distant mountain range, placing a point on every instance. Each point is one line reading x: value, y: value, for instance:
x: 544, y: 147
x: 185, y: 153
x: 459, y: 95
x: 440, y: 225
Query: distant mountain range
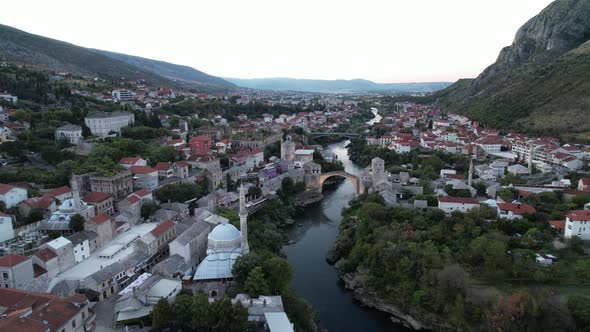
x: 335, y: 86
x: 540, y: 83
x: 24, y: 48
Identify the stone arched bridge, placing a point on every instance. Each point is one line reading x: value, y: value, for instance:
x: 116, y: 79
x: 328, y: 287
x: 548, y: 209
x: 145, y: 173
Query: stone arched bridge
x: 356, y: 183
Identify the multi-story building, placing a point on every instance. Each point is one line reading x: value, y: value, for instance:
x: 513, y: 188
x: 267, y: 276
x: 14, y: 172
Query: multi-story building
x: 12, y: 195
x: 577, y: 223
x: 104, y: 124
x: 6, y: 228
x: 15, y: 271
x: 44, y: 312
x: 118, y: 186
x: 514, y: 210
x: 101, y: 202
x: 450, y: 204
x: 123, y: 95
x: 71, y: 133
x: 144, y: 177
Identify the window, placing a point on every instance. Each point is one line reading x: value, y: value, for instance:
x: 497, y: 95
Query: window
x: 83, y: 315
x: 5, y: 275
x: 74, y: 323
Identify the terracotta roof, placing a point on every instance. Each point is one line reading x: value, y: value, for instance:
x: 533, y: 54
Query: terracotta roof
x: 579, y: 215
x: 142, y: 170
x: 142, y: 192
x: 459, y: 200
x: 12, y: 260
x: 43, y: 202
x: 163, y: 166
x: 558, y: 224
x: 517, y: 208
x: 95, y: 197
x: 59, y: 191
x: 180, y: 164
x: 133, y: 199
x: 163, y: 227
x: 45, y: 254
x: 129, y: 160
x: 101, y: 218
x: 585, y: 181
x: 4, y: 188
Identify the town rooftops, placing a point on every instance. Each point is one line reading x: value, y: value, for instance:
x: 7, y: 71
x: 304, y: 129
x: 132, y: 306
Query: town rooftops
x: 517, y: 208
x: 95, y: 197
x: 100, y: 218
x: 142, y: 192
x: 579, y: 215
x: 70, y: 127
x: 129, y: 160
x: 103, y: 115
x: 585, y: 181
x: 59, y: 191
x: 458, y: 200
x: 5, y: 188
x: 45, y: 254
x: 142, y: 170
x: 163, y: 166
x: 163, y: 227
x: 11, y: 260
x: 557, y: 224
x: 133, y: 199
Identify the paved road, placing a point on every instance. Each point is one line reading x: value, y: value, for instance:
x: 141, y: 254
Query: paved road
x: 105, y: 314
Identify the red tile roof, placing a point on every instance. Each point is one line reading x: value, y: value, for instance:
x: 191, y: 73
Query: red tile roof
x: 142, y: 192
x: 101, y: 218
x: 45, y: 254
x: 459, y: 200
x: 558, y: 224
x: 133, y: 199
x: 11, y: 260
x: 579, y: 215
x: 95, y: 197
x: 129, y: 160
x: 163, y: 166
x: 59, y: 191
x: 43, y: 202
x: 585, y: 181
x: 516, y: 208
x: 142, y: 170
x: 4, y: 188
x: 163, y: 227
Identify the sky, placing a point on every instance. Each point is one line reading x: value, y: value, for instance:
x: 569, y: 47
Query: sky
x: 379, y: 40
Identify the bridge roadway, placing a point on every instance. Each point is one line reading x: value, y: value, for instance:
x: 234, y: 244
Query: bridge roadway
x: 322, y: 134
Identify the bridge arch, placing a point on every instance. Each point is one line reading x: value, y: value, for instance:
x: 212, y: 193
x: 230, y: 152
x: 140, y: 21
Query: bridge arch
x: 356, y: 183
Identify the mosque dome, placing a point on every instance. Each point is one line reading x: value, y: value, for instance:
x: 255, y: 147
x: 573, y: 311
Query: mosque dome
x: 224, y: 233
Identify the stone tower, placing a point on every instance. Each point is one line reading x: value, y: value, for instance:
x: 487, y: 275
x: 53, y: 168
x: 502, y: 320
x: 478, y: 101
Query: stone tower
x: 243, y: 222
x: 76, y: 194
x: 378, y: 171
x: 288, y: 149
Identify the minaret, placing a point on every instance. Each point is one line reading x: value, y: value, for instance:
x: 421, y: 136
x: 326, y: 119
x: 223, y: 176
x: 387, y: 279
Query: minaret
x: 531, y: 155
x: 76, y: 194
x: 243, y: 222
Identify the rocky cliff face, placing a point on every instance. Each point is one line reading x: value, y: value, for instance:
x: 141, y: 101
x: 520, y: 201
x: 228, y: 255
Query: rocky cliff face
x: 562, y: 26
x: 540, y: 83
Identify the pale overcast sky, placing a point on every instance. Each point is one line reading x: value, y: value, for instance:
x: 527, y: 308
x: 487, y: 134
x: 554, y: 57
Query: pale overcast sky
x: 380, y: 40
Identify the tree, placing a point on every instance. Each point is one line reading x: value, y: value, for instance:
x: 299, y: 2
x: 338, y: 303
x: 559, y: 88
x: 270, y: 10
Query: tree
x: 256, y: 284
x: 579, y: 306
x: 179, y: 192
x: 582, y: 269
x: 182, y: 309
x: 148, y: 209
x: 86, y: 131
x: 254, y: 191
x: 243, y: 265
x: 162, y: 314
x: 278, y: 272
x: 458, y: 314
x: 77, y: 223
x: 201, y: 312
x: 228, y: 317
x: 2, y: 206
x: 35, y: 215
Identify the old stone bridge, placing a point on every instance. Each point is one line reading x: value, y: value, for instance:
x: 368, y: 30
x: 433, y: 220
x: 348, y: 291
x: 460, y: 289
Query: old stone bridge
x: 356, y: 183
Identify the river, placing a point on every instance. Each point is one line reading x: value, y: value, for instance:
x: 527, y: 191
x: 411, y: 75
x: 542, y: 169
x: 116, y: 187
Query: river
x: 317, y: 281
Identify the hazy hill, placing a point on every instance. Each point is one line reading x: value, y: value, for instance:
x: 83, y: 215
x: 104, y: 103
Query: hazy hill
x: 541, y: 83
x: 32, y: 50
x: 170, y: 70
x: 334, y: 86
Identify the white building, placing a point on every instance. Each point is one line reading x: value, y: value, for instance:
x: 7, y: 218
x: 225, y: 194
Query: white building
x: 462, y: 204
x: 514, y: 210
x: 103, y: 123
x: 70, y: 132
x: 12, y: 195
x: 6, y: 228
x: 123, y: 95
x: 577, y: 223
x: 10, y: 98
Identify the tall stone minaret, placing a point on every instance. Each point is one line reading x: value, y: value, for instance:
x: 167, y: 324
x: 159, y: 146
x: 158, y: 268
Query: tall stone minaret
x: 243, y: 222
x: 76, y: 194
